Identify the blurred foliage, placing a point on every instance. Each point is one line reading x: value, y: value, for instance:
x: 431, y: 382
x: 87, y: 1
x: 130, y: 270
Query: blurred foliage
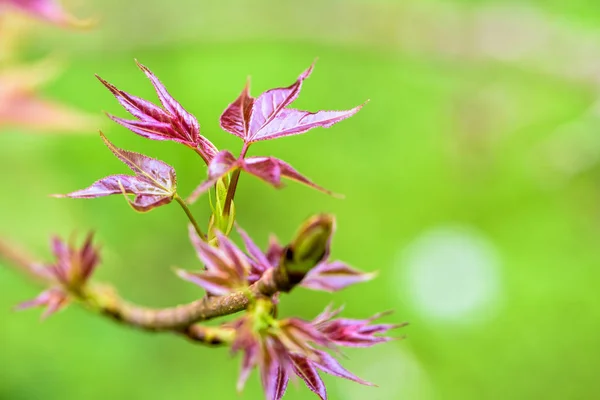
x: 456, y: 134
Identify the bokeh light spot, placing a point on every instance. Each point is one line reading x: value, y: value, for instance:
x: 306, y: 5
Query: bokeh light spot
x: 450, y: 273
x: 395, y: 371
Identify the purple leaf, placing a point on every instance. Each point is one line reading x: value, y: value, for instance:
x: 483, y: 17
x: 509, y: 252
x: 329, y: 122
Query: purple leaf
x: 269, y: 169
x: 305, y: 370
x: 296, y: 333
x: 293, y: 122
x: 268, y: 118
x: 154, y: 183
x: 53, y: 299
x: 212, y: 283
x: 270, y: 104
x: 172, y: 122
x: 331, y: 277
x: 274, y: 251
x: 73, y: 266
x: 227, y: 268
x: 248, y: 362
x: 281, y: 383
x: 259, y: 261
x: 236, y: 117
x: 223, y: 163
x: 274, y: 369
x: 352, y: 332
x: 280, y: 347
x: 238, y: 259
x: 88, y: 257
x: 331, y: 366
x: 327, y: 314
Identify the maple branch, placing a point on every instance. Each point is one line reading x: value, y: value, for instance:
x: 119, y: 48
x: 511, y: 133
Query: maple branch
x: 234, y: 181
x: 17, y: 258
x: 190, y: 216
x: 207, y: 335
x: 182, y: 316
x: 179, y: 319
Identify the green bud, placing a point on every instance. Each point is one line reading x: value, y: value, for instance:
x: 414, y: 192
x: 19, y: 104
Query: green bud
x: 218, y: 220
x: 309, y: 247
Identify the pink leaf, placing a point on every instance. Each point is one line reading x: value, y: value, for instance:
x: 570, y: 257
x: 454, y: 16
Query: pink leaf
x: 273, y: 373
x: 353, y: 332
x: 53, y: 299
x: 154, y: 183
x: 274, y: 251
x: 248, y: 362
x: 267, y: 117
x: 136, y: 106
x: 269, y: 104
x: 236, y: 117
x: 331, y: 277
x: 227, y: 268
x: 223, y: 163
x: 171, y: 123
x: 293, y: 122
x: 212, y: 283
x: 260, y: 263
x: 271, y: 170
x: 304, y: 369
x: 331, y: 366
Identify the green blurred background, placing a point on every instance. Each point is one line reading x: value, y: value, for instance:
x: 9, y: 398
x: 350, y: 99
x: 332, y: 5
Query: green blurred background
x: 471, y: 182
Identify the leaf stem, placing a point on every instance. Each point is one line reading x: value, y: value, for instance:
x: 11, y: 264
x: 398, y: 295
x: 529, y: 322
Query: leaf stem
x: 199, y: 152
x: 190, y: 216
x: 233, y: 184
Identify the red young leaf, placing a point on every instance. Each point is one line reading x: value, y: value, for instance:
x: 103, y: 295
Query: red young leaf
x: 293, y: 122
x: 154, y: 183
x: 236, y: 117
x: 222, y: 163
x: 269, y: 169
x: 334, y: 276
x: 352, y: 332
x: 266, y: 117
x: 249, y: 360
x: 53, y: 299
x: 73, y: 265
x: 258, y: 260
x: 227, y: 268
x: 280, y: 348
x: 308, y: 373
x: 273, y: 369
x: 331, y: 366
x: 69, y: 272
x: 172, y: 122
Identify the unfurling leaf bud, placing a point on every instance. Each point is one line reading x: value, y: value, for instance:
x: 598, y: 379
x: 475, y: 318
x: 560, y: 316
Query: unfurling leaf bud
x: 309, y: 247
x: 219, y: 221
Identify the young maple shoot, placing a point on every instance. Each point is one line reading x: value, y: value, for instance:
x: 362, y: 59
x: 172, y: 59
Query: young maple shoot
x: 234, y: 280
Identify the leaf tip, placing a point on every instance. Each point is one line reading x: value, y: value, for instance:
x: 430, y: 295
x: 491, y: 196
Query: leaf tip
x: 142, y: 66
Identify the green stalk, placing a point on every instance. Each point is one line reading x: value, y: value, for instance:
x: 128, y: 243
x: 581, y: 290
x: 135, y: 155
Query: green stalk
x: 190, y: 216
